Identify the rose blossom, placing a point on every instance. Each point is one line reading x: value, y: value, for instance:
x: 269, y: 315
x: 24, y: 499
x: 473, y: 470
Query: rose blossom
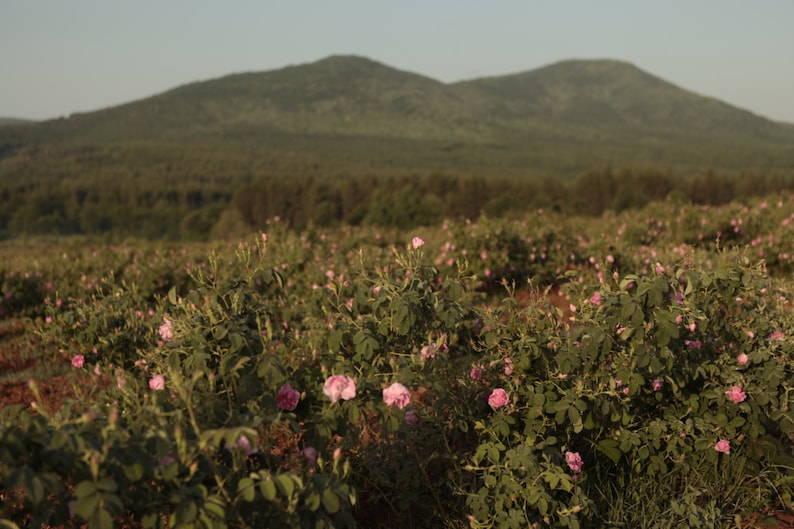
x: 498, y: 398
x: 166, y: 459
x: 310, y: 453
x: 166, y: 330
x: 657, y: 385
x: 78, y: 360
x: 574, y: 461
x: 742, y: 359
x: 723, y: 446
x: 411, y: 417
x: 397, y: 395
x: 157, y: 383
x: 777, y: 335
x: 736, y: 394
x: 287, y: 398
x: 476, y: 372
x: 339, y: 386
x: 244, y: 444
x: 508, y: 366
x: 417, y: 242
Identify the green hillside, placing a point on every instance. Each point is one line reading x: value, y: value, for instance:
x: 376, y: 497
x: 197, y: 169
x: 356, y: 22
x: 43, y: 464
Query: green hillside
x: 324, y: 136
x: 589, y: 105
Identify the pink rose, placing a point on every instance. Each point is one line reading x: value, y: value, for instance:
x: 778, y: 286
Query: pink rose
x: 742, y: 359
x: 166, y: 330
x: 310, y: 453
x: 429, y: 351
x: 417, y: 242
x: 287, y: 398
x: 498, y: 398
x: 574, y: 461
x: 78, y: 361
x: 339, y: 386
x: 245, y: 445
x: 397, y: 395
x: 411, y: 417
x: 736, y: 394
x: 657, y: 385
x: 476, y: 372
x: 723, y: 446
x: 508, y: 366
x: 596, y: 299
x: 157, y: 383
x: 167, y: 459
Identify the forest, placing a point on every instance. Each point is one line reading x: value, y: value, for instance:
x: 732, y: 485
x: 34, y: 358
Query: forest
x: 202, y: 195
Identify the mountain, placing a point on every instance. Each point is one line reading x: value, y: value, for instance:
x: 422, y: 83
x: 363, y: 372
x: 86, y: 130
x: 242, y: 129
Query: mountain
x: 14, y: 121
x: 560, y: 118
x: 604, y: 94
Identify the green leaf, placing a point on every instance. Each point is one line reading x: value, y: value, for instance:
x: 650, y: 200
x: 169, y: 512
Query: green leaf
x: 84, y: 507
x: 609, y: 447
x: 334, y: 338
x: 330, y: 501
x: 552, y: 479
x: 285, y: 484
x: 101, y: 520
x: 133, y: 472
x: 268, y: 489
x: 34, y: 488
x: 85, y: 488
x: 215, y: 506
x: 172, y: 295
x: 246, y: 488
x: 107, y: 484
x: 365, y: 344
x: 187, y: 511
x: 149, y: 520
x: 313, y: 501
x: 353, y: 413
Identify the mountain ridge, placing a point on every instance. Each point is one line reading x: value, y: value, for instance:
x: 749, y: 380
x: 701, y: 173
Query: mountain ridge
x: 586, y: 104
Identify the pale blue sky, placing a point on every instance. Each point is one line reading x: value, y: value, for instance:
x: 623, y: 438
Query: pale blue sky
x: 59, y: 56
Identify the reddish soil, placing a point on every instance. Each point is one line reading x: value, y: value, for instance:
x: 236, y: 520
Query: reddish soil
x: 16, y: 357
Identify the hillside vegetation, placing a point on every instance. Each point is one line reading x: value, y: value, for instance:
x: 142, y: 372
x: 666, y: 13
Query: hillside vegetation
x: 350, y: 140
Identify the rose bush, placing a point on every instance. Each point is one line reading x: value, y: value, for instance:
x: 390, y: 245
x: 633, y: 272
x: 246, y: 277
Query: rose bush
x: 333, y: 379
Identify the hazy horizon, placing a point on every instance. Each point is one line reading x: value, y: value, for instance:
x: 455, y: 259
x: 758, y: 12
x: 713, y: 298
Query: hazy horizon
x: 59, y: 58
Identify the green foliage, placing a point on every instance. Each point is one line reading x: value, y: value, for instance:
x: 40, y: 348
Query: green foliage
x: 658, y: 394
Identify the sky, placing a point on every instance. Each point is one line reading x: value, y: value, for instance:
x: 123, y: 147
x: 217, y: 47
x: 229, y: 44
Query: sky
x: 58, y: 57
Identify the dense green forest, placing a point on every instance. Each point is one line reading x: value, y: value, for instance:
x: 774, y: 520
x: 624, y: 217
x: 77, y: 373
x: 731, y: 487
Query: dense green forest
x: 205, y: 194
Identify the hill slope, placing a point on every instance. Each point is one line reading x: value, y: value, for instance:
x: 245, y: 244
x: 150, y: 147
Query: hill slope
x: 348, y: 95
x: 560, y: 120
x: 613, y: 95
x: 14, y: 121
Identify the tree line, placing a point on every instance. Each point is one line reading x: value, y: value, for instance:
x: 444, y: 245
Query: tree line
x: 191, y: 208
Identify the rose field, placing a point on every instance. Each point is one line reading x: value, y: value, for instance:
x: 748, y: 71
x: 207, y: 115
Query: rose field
x: 633, y: 370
